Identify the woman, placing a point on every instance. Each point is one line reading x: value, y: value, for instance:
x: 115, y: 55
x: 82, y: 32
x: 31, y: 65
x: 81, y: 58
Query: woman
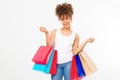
x: 64, y: 40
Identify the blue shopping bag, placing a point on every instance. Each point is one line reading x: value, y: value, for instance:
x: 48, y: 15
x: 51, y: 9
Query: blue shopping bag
x: 80, y: 69
x: 44, y: 68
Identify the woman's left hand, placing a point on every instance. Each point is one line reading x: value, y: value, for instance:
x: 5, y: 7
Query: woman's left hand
x: 90, y: 40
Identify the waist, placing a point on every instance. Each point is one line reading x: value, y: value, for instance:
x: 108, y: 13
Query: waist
x: 64, y: 57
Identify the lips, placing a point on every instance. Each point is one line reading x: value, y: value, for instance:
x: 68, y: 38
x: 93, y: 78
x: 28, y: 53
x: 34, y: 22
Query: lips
x: 65, y: 24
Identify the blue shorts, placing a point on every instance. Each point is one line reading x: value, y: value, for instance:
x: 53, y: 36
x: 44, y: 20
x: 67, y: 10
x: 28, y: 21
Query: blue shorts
x: 63, y: 69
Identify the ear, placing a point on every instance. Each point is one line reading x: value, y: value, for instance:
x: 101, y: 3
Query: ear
x: 71, y: 18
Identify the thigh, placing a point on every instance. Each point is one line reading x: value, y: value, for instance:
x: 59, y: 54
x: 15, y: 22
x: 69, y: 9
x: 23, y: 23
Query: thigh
x: 67, y: 70
x: 58, y: 75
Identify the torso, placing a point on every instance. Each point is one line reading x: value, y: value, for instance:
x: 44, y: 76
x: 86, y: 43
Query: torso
x: 63, y: 44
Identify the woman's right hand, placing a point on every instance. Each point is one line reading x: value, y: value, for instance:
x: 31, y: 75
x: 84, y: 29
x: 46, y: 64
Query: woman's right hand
x: 43, y: 29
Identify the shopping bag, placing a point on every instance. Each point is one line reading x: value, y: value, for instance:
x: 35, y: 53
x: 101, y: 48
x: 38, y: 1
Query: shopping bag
x: 87, y: 63
x: 80, y: 69
x: 74, y: 73
x: 44, y: 68
x: 42, y: 55
x: 53, y: 68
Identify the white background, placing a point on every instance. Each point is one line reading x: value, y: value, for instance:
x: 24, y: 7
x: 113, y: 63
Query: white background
x: 20, y: 36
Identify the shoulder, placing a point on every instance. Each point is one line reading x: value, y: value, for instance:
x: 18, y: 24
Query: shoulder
x: 76, y: 37
x: 54, y: 30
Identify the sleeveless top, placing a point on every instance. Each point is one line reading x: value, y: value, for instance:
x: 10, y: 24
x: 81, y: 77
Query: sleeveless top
x: 63, y: 44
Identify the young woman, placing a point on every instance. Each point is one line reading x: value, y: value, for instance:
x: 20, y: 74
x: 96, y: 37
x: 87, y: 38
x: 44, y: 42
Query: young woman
x: 64, y: 40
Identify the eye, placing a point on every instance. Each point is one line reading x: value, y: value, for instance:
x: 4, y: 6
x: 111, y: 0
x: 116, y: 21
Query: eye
x: 62, y: 19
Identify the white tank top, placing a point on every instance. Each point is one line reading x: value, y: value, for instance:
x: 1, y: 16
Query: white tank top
x: 63, y: 44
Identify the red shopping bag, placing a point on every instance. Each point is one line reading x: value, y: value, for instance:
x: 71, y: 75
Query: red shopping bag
x: 42, y: 55
x: 53, y: 68
x: 74, y: 73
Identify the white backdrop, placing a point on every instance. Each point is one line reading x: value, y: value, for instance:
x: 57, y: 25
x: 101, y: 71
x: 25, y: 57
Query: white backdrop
x: 20, y: 36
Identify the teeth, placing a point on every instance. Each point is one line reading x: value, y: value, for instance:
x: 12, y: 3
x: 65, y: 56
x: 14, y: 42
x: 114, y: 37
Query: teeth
x: 65, y: 24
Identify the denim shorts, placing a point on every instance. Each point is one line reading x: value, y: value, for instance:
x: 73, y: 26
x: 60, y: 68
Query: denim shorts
x: 63, y: 69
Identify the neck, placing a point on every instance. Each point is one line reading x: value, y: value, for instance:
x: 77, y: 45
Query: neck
x: 64, y: 28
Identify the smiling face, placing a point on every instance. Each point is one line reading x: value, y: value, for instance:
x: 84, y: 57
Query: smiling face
x: 64, y: 12
x: 65, y: 21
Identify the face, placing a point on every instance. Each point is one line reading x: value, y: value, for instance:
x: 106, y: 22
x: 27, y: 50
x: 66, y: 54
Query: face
x: 65, y: 21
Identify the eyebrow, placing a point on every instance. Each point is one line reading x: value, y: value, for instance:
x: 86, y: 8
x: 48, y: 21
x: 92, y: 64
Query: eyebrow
x: 64, y: 17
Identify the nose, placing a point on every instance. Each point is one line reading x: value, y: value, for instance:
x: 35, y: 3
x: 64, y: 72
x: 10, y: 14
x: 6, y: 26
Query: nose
x: 65, y: 20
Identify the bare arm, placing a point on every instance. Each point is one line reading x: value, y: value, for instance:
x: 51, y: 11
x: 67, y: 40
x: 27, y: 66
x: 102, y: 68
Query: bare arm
x: 44, y: 30
x: 90, y: 40
x: 76, y: 43
x: 52, y: 38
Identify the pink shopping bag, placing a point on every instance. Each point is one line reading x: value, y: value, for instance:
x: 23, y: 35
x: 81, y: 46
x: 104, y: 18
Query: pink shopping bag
x: 42, y: 55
